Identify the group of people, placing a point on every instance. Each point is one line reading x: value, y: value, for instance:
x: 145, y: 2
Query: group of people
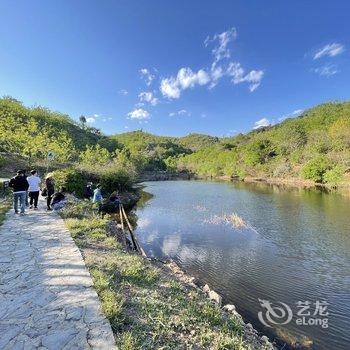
x: 28, y: 187
x: 111, y: 205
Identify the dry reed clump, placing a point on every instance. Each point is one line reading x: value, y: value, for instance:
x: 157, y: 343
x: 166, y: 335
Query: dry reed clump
x: 228, y: 219
x: 235, y: 220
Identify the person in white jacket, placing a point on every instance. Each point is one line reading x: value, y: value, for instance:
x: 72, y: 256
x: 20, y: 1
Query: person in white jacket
x: 34, y: 188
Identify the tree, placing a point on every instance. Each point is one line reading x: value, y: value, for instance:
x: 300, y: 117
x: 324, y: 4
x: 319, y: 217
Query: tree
x: 94, y: 156
x: 316, y: 168
x: 83, y: 121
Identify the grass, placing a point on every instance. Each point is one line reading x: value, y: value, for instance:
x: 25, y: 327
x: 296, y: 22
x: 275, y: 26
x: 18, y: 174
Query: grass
x: 146, y: 306
x: 5, y: 204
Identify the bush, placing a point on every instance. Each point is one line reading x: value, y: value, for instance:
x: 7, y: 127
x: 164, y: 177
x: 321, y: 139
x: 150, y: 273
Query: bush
x: 72, y: 180
x: 117, y: 180
x: 316, y: 168
x: 333, y: 176
x: 282, y: 170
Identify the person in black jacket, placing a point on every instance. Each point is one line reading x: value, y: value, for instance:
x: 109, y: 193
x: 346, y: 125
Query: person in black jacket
x: 50, y: 190
x: 20, y: 186
x: 58, y: 199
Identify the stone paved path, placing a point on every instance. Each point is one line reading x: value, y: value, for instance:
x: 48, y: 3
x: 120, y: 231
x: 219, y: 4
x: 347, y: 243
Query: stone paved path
x: 46, y: 296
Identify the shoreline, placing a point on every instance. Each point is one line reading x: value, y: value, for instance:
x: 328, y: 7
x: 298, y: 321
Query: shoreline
x: 135, y: 289
x: 342, y: 189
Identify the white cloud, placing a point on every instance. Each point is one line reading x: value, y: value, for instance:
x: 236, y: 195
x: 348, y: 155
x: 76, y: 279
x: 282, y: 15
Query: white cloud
x: 236, y: 72
x: 139, y: 113
x: 147, y: 76
x: 148, y: 97
x: 186, y: 78
x: 295, y: 113
x: 90, y: 120
x: 330, y: 50
x: 261, y: 123
x: 217, y: 73
x: 326, y: 70
x: 96, y: 115
x: 123, y: 92
x: 221, y: 50
x: 171, y: 87
x: 182, y: 112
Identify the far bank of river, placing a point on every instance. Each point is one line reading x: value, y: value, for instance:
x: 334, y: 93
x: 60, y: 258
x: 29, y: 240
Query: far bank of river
x: 343, y: 188
x: 296, y: 249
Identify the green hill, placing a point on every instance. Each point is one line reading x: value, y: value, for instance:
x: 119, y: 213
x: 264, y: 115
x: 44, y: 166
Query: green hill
x: 314, y: 146
x: 31, y: 132
x: 195, y: 142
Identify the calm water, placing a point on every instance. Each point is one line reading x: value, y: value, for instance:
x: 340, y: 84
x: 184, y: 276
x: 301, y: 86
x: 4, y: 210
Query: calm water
x: 297, y: 248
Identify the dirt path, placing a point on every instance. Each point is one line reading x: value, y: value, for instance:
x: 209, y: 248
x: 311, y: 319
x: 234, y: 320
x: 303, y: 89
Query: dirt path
x: 46, y: 294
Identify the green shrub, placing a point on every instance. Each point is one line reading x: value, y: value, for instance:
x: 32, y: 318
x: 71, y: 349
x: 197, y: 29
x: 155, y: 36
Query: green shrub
x: 316, y: 168
x: 72, y: 180
x: 333, y: 176
x: 117, y: 180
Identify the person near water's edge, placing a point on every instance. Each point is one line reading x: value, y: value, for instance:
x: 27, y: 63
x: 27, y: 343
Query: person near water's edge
x: 34, y: 188
x: 58, y: 199
x: 97, y: 198
x: 19, y: 185
x: 50, y: 190
x: 88, y: 192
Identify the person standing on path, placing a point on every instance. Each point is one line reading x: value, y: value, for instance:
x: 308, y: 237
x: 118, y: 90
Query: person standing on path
x: 20, y: 186
x: 50, y: 190
x: 34, y: 188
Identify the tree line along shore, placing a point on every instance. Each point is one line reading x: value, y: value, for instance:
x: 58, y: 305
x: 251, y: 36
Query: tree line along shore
x: 314, y: 148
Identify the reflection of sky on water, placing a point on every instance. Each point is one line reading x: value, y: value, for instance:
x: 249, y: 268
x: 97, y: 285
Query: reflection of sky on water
x: 142, y: 223
x: 299, y: 248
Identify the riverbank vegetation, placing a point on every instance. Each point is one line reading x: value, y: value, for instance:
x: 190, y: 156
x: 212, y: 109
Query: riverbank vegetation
x: 314, y: 147
x: 148, y: 308
x: 5, y: 202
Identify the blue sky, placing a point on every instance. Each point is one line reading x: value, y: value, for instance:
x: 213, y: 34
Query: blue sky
x: 175, y: 67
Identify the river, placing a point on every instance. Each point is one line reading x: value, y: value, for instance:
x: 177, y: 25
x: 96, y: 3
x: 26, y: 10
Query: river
x: 295, y: 250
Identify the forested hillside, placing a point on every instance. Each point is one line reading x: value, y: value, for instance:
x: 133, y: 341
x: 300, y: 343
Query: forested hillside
x: 314, y: 146
x: 31, y: 132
